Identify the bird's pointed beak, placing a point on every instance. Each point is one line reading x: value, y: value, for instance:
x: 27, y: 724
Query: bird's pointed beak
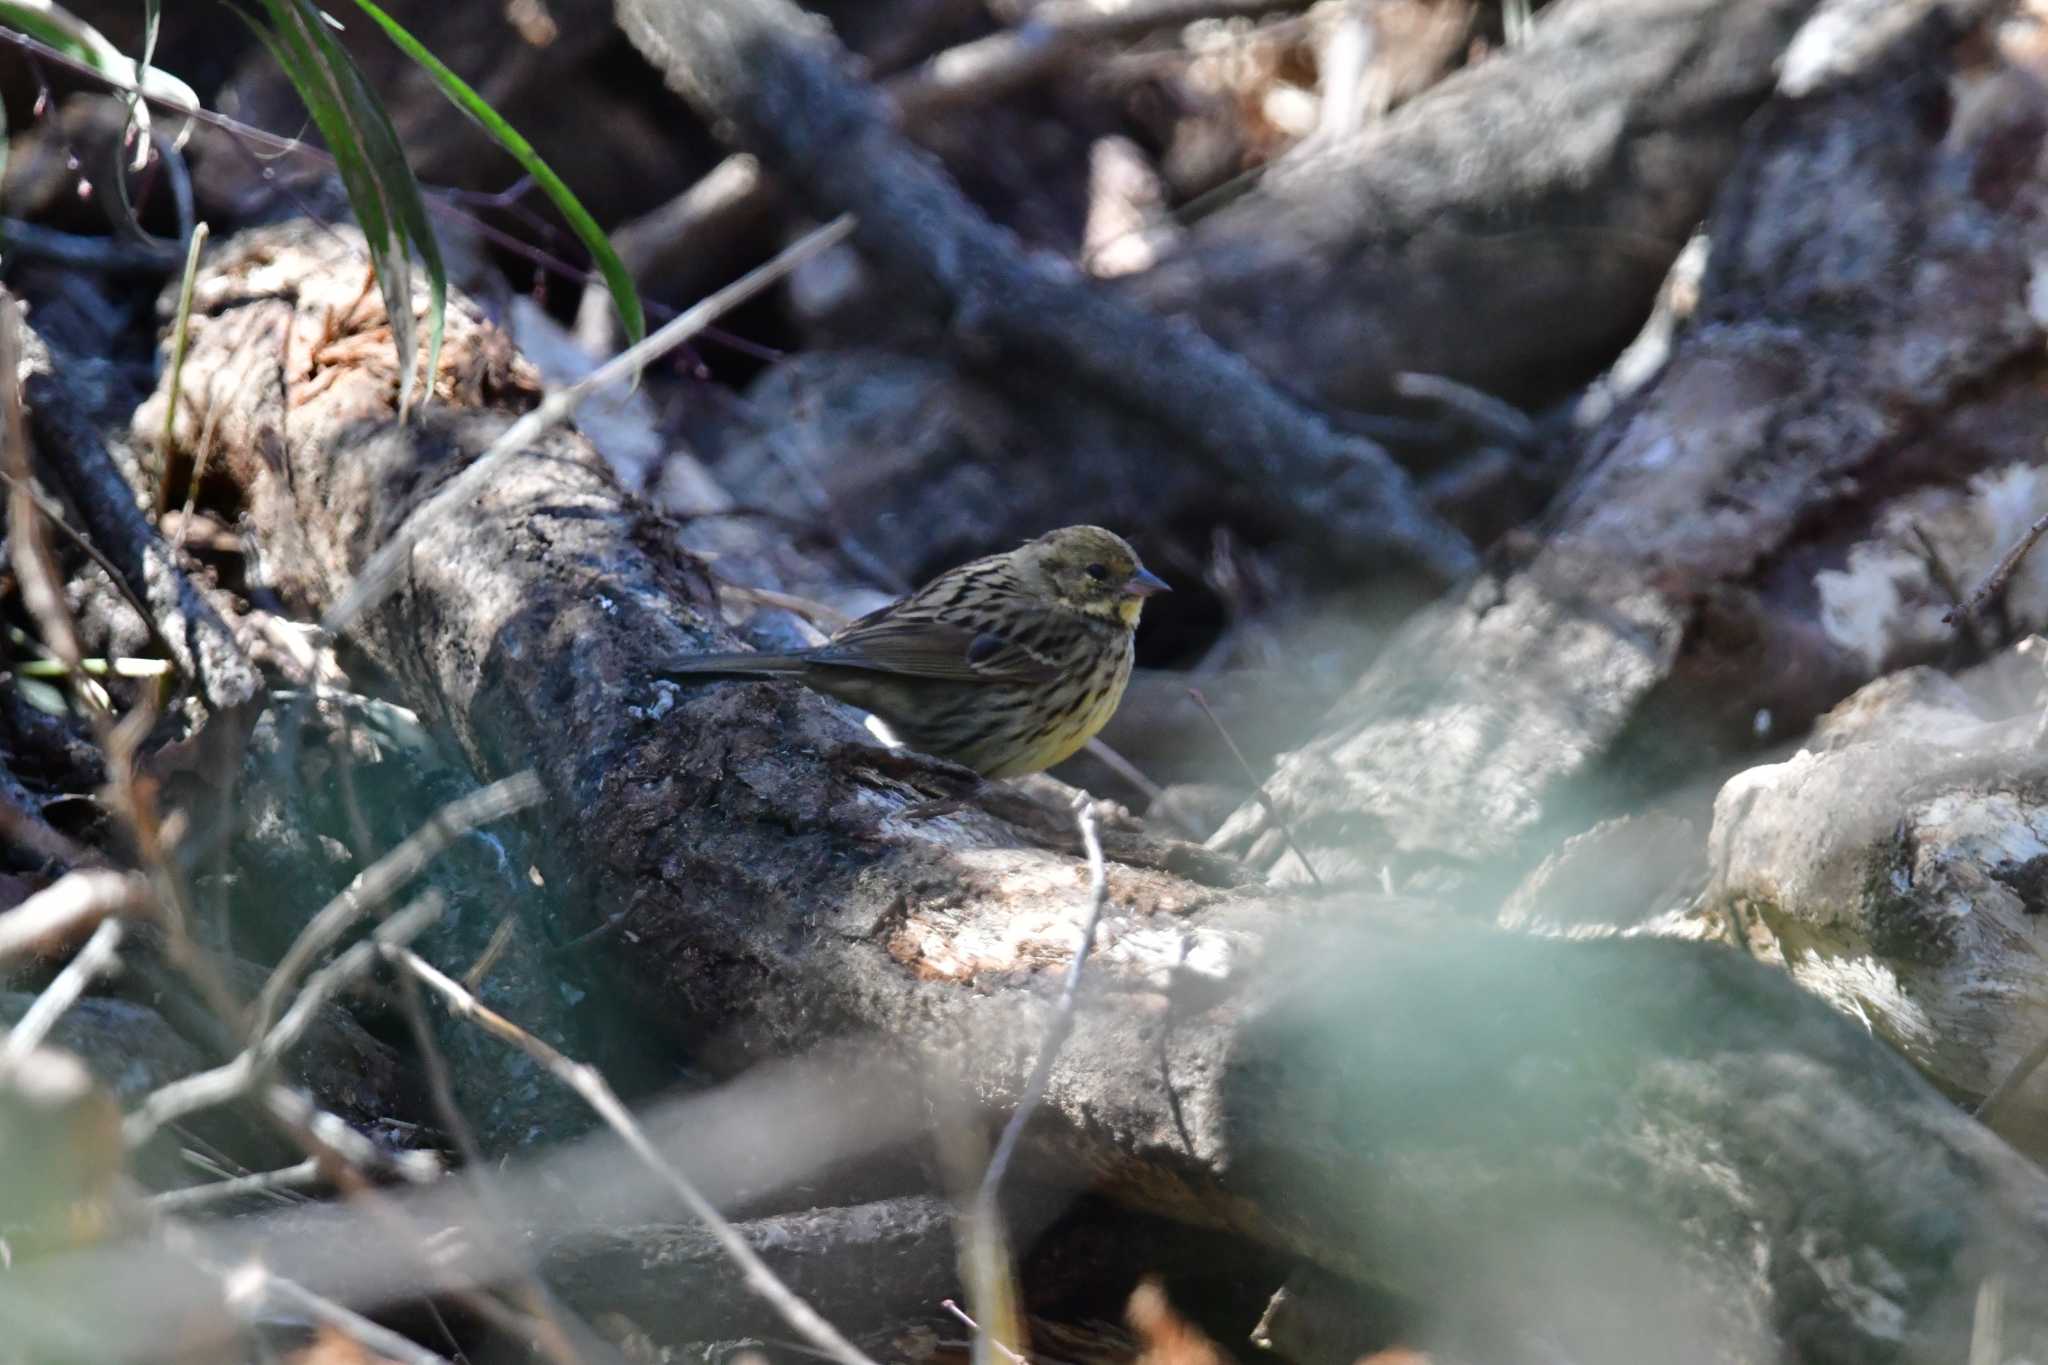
x: 1144, y: 583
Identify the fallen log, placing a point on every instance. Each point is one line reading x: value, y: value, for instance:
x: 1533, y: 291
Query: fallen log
x: 1766, y: 523
x: 1460, y: 237
x: 1434, y: 239
x: 766, y: 72
x: 1461, y: 1117
x: 1894, y: 869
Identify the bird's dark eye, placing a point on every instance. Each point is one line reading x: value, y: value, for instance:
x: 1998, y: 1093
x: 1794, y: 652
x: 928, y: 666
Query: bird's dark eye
x: 1097, y: 572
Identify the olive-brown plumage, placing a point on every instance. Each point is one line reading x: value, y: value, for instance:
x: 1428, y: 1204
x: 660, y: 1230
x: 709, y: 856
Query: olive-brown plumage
x: 1006, y: 665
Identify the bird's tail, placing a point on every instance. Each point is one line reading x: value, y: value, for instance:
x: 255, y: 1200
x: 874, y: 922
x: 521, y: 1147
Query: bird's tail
x: 706, y: 667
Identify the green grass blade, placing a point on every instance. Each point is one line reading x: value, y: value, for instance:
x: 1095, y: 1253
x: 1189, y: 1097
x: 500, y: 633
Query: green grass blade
x: 152, y: 21
x: 48, y: 22
x: 368, y: 174
x: 624, y: 296
x: 349, y: 121
x: 402, y: 190
x: 42, y: 22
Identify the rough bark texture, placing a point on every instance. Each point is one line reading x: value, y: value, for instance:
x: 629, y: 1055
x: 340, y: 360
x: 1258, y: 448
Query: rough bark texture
x: 71, y: 449
x: 1862, y: 359
x: 1508, y: 228
x: 1895, y: 869
x: 1458, y: 1116
x: 894, y: 1259
x: 763, y: 68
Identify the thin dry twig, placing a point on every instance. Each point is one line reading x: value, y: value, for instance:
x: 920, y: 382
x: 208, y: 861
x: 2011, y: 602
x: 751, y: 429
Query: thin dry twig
x: 53, y: 514
x: 375, y: 885
x: 250, y: 1288
x: 1486, y: 414
x: 2001, y: 573
x: 816, y: 614
x: 986, y: 1261
x: 1258, y: 787
x: 35, y: 567
x: 558, y: 405
x: 1161, y: 799
x: 100, y: 954
x: 1048, y: 40
x: 1945, y: 579
x: 1987, y: 1322
x: 957, y: 1311
x: 532, y: 1296
x: 254, y: 1064
x: 501, y: 939
x: 22, y: 822
x: 591, y: 1086
x: 339, y: 1147
x: 69, y: 904
x: 2001, y: 1094
x: 299, y: 1176
x: 1062, y: 1022
x: 730, y: 194
x: 181, y: 337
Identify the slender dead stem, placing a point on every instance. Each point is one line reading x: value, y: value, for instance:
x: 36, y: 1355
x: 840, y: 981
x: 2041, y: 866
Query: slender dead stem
x: 1062, y: 1022
x: 591, y: 1086
x: 35, y: 568
x: 1161, y: 799
x: 1486, y: 414
x: 380, y: 573
x: 1258, y: 787
x: 100, y: 954
x: 986, y: 1261
x: 374, y: 886
x: 533, y: 1297
x: 22, y: 822
x: 250, y: 1288
x: 69, y: 904
x: 339, y: 1147
x: 957, y: 1311
x: 254, y: 1064
x: 298, y: 1176
x: 501, y: 939
x: 53, y: 514
x: 2003, y: 1092
x: 2001, y: 573
x: 181, y: 336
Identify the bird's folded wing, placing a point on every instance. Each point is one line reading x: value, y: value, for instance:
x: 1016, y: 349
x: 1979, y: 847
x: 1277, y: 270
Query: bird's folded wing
x: 919, y: 646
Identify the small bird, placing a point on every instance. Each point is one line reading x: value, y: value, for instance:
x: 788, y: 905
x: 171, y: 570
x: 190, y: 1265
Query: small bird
x: 1005, y: 665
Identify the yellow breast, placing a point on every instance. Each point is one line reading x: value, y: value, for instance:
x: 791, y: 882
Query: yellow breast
x: 1074, y: 729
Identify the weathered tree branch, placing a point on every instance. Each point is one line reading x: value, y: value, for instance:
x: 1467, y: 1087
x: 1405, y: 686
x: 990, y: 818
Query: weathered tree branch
x: 1441, y: 1112
x: 201, y: 643
x: 760, y: 67
x: 1507, y: 229
x: 1731, y: 557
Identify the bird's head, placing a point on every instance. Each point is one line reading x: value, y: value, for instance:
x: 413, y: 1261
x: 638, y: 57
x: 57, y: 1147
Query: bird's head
x: 1092, y: 571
